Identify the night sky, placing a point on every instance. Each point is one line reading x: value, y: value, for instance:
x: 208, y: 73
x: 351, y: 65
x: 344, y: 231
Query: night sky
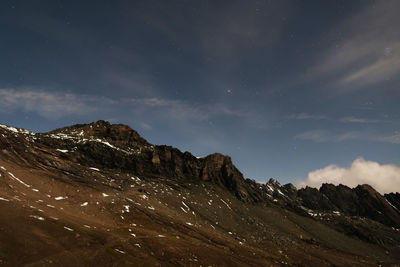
x: 283, y: 87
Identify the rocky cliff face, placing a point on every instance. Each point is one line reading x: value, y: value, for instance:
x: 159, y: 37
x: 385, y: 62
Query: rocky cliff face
x: 118, y: 146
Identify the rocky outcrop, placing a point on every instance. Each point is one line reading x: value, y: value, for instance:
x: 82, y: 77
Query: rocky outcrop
x: 374, y: 206
x: 313, y: 199
x: 101, y: 144
x: 119, y: 135
x: 360, y: 201
x: 394, y: 200
x: 220, y: 170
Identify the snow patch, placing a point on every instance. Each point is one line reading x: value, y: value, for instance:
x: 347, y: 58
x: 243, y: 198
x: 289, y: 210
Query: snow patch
x: 12, y: 129
x: 183, y: 210
x: 391, y: 204
x: 120, y: 251
x: 37, y: 217
x: 69, y: 229
x: 18, y: 180
x: 226, y: 204
x: 126, y: 207
x: 279, y: 191
x: 4, y: 199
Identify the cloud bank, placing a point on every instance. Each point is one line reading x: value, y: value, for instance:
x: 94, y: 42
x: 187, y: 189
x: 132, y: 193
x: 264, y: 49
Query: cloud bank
x: 385, y: 178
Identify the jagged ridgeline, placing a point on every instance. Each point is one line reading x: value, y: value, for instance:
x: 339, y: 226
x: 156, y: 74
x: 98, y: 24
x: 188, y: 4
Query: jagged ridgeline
x: 101, y: 192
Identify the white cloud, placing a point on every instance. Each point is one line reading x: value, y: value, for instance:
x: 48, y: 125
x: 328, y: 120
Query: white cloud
x: 385, y: 178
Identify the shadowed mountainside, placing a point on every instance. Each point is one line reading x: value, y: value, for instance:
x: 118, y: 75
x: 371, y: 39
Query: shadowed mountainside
x: 101, y: 194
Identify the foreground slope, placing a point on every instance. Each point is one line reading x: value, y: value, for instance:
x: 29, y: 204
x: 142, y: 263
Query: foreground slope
x: 101, y: 194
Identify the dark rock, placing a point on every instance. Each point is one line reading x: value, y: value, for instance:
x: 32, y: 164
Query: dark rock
x: 342, y: 197
x: 360, y: 201
x: 394, y: 199
x: 374, y: 206
x: 290, y: 190
x: 313, y: 199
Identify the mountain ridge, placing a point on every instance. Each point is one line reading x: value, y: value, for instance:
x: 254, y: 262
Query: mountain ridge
x: 217, y: 168
x: 106, y: 156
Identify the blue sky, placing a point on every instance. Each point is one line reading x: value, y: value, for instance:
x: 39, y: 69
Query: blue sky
x: 283, y: 87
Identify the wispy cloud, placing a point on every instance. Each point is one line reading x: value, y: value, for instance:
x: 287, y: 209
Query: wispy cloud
x: 306, y: 116
x: 54, y: 105
x: 51, y: 105
x: 178, y: 110
x: 347, y: 119
x: 171, y: 108
x: 322, y: 136
x: 139, y: 83
x: 238, y: 28
x: 368, y: 51
x: 385, y: 178
x: 325, y: 136
x: 352, y: 119
x: 394, y: 139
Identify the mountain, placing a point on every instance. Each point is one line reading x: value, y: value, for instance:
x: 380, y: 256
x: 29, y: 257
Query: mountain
x: 100, y: 194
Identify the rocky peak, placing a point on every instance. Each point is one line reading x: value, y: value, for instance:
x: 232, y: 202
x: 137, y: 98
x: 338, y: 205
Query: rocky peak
x: 118, y: 134
x: 273, y: 183
x: 219, y: 169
